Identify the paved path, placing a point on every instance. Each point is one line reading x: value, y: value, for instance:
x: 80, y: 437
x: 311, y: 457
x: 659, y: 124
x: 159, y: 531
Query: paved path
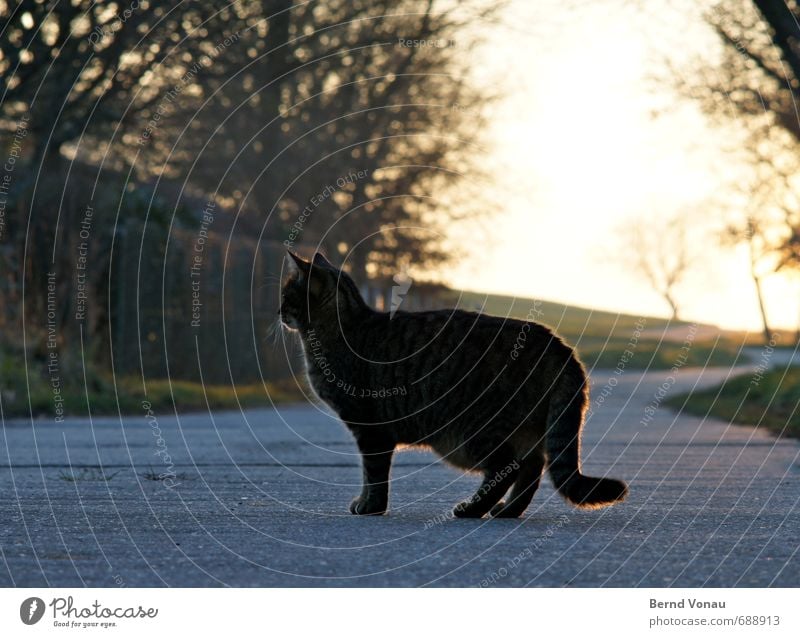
x: 778, y: 358
x: 260, y: 500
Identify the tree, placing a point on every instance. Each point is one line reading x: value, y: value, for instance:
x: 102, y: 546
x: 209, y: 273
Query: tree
x: 77, y: 68
x: 757, y: 75
x: 755, y: 82
x: 658, y: 253
x: 258, y: 105
x: 764, y: 213
x: 267, y: 102
x: 753, y: 232
x: 73, y: 76
x: 373, y: 88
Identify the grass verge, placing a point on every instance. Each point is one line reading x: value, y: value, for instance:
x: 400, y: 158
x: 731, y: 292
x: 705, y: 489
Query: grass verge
x: 657, y: 356
x: 89, y: 391
x: 771, y: 401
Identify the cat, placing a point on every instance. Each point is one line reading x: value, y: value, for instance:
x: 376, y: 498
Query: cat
x: 499, y: 396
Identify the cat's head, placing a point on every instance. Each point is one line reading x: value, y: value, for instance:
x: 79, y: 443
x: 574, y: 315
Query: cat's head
x: 317, y: 292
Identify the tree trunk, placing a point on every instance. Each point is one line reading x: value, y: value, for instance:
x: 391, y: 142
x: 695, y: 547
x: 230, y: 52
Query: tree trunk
x: 797, y: 331
x: 762, y: 309
x: 673, y: 305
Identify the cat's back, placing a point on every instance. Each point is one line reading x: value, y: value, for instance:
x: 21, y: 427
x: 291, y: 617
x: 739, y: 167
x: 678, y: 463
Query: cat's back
x: 459, y: 336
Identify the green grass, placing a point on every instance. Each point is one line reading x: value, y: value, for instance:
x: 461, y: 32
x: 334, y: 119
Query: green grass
x: 772, y: 401
x: 570, y: 321
x: 591, y: 329
x: 128, y: 395
x: 188, y: 395
x: 601, y: 338
x: 654, y: 355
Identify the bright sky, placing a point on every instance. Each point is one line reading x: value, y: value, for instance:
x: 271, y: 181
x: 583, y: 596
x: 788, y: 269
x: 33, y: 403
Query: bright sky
x: 581, y: 142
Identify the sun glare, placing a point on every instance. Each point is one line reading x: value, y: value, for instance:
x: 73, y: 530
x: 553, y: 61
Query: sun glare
x: 580, y: 144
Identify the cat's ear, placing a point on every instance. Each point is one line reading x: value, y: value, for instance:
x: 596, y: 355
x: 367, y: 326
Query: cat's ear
x: 321, y: 261
x: 297, y: 264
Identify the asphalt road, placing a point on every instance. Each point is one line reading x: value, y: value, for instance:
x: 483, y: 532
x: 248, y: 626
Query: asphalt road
x: 260, y: 499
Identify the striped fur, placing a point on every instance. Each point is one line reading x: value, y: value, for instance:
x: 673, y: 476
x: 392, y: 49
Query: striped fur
x: 467, y: 385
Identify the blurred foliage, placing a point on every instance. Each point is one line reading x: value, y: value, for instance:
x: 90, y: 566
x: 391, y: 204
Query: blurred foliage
x: 262, y: 105
x: 755, y: 84
x: 757, y: 75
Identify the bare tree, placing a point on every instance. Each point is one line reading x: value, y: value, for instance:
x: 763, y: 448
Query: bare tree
x: 659, y: 253
x: 764, y: 212
x: 753, y: 233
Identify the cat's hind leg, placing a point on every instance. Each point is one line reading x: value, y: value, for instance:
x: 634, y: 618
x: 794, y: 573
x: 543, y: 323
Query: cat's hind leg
x: 528, y: 478
x: 496, y: 481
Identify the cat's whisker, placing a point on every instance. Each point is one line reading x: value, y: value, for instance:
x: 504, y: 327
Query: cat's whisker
x: 275, y: 332
x: 272, y: 329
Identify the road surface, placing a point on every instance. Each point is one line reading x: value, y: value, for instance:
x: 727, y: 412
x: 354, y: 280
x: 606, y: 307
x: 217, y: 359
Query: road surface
x: 260, y: 499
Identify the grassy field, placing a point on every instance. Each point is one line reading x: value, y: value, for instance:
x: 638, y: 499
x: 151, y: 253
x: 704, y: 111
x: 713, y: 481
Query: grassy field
x: 652, y: 355
x: 126, y: 395
x: 602, y: 338
x: 771, y: 401
x: 573, y: 322
x: 586, y: 326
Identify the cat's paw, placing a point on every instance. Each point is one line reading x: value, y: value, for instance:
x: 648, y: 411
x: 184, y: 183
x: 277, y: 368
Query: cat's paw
x: 467, y: 510
x: 365, y: 506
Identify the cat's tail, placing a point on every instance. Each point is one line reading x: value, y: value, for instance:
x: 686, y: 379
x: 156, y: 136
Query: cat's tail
x: 568, y: 403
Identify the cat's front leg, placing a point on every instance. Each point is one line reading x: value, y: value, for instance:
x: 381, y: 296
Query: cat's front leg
x: 376, y: 458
